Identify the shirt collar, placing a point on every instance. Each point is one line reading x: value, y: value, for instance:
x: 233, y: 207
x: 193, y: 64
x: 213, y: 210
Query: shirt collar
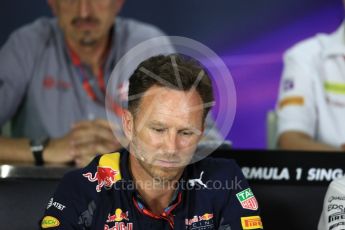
x: 127, y: 177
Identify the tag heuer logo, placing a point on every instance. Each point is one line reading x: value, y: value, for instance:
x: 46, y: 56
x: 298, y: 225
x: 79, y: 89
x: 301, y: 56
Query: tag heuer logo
x: 247, y: 199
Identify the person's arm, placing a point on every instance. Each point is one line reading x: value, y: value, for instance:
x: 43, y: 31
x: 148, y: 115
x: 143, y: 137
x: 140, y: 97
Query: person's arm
x: 16, y: 63
x: 293, y: 140
x: 85, y: 140
x: 15, y: 150
x: 333, y: 207
x: 297, y: 105
x: 19, y: 150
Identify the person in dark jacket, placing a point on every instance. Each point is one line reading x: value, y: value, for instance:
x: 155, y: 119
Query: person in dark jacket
x: 155, y: 183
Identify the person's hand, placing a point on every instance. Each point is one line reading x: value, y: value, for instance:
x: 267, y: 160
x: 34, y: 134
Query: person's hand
x: 59, y: 150
x: 90, y: 138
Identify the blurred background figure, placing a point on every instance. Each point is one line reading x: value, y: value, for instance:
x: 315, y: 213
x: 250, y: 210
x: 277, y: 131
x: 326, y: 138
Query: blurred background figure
x: 53, y: 75
x: 311, y: 107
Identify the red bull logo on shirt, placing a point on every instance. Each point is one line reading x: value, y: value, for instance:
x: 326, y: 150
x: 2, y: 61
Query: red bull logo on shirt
x: 204, y: 221
x: 105, y: 176
x: 108, y: 171
x: 119, y: 226
x: 118, y: 216
x: 206, y: 216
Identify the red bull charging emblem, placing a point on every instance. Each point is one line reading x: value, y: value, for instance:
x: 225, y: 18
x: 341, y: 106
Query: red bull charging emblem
x: 200, y: 222
x: 105, y: 177
x: 118, y: 218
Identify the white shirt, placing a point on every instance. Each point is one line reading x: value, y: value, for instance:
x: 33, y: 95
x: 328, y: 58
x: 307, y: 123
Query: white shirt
x: 312, y: 89
x: 333, y: 213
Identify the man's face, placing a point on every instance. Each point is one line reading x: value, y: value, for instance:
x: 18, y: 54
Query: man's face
x: 86, y: 22
x: 165, y: 131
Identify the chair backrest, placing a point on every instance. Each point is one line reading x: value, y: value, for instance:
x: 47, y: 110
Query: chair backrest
x: 271, y: 129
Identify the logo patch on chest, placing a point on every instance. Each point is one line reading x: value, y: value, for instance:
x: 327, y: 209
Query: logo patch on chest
x: 117, y: 218
x: 199, y: 222
x: 247, y: 199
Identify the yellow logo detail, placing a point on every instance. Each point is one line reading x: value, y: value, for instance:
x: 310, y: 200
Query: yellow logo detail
x: 296, y: 100
x: 112, y: 160
x: 49, y: 222
x: 251, y: 222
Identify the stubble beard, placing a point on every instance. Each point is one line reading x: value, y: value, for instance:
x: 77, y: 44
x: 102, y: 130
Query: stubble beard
x: 161, y: 176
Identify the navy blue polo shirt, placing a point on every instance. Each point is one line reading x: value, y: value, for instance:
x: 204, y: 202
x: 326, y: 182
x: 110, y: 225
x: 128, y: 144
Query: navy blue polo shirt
x: 211, y: 194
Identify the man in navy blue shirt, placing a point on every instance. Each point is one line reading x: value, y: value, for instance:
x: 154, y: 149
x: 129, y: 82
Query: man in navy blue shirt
x: 155, y: 184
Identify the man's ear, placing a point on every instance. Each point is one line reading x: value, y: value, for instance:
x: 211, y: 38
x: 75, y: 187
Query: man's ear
x: 128, y: 124
x: 53, y: 6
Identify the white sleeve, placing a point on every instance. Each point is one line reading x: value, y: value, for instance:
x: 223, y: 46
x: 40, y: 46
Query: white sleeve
x: 333, y: 213
x: 296, y: 107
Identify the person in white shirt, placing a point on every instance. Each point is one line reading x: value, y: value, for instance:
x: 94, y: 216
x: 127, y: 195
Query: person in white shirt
x: 333, y: 213
x: 311, y: 104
